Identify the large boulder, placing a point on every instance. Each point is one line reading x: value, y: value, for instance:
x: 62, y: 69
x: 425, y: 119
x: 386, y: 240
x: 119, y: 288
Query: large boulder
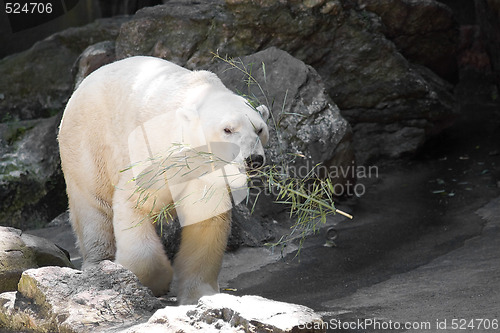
x: 20, y: 251
x: 93, y: 57
x: 364, y: 72
x: 55, y: 299
x: 306, y: 127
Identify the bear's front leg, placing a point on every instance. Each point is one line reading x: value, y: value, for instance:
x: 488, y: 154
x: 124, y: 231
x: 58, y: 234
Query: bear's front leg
x: 138, y: 247
x: 198, y: 262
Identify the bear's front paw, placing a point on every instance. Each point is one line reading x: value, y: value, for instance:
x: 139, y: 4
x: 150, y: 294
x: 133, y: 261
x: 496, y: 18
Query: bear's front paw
x: 158, y: 281
x: 154, y: 274
x: 190, y: 293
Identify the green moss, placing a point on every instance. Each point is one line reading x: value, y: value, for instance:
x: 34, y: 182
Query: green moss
x: 16, y: 135
x: 19, y: 193
x: 7, y: 117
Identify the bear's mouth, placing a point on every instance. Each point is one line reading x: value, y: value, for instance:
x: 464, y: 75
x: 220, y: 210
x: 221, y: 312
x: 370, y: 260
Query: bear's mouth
x: 253, y: 172
x: 254, y: 164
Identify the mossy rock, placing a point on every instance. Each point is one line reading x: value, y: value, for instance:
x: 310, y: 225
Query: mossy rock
x: 32, y: 190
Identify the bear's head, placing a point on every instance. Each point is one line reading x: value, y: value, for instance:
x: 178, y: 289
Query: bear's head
x: 236, y: 130
x: 233, y: 129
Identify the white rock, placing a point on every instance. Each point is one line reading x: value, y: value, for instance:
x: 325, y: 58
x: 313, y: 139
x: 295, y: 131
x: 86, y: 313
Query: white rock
x: 228, y: 313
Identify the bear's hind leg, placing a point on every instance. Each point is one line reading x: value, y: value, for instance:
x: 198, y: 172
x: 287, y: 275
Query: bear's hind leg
x: 91, y: 220
x: 198, y: 262
x: 138, y: 247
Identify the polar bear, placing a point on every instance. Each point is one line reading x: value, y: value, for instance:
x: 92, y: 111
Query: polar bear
x: 126, y: 125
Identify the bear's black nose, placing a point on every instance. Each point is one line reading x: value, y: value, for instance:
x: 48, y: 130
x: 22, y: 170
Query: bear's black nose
x: 254, y: 161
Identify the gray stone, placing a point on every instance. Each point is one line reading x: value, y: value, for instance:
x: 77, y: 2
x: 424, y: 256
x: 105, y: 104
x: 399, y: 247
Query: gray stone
x: 20, y: 251
x: 92, y: 58
x: 32, y: 189
x: 228, y: 313
x: 98, y: 299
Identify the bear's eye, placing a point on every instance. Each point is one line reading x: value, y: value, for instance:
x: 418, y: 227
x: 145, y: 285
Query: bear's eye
x: 227, y: 130
x: 259, y: 132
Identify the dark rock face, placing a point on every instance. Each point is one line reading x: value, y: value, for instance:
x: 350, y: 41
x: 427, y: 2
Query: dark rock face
x: 93, y: 57
x: 425, y: 32
x: 38, y: 82
x: 399, y: 127
x: 488, y: 18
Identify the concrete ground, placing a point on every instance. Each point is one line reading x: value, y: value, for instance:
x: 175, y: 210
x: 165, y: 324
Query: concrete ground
x: 423, y: 248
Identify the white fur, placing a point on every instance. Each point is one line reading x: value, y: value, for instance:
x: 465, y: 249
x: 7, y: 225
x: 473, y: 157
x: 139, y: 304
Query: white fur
x: 133, y: 112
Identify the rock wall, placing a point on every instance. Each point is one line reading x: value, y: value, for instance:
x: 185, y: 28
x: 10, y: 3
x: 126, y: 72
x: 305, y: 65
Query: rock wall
x: 365, y: 73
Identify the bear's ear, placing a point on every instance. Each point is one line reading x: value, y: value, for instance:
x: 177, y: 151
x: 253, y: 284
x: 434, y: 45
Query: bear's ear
x: 264, y: 112
x: 187, y: 113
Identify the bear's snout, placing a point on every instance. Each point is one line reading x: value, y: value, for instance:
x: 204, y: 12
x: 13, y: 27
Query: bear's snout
x: 254, y: 161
